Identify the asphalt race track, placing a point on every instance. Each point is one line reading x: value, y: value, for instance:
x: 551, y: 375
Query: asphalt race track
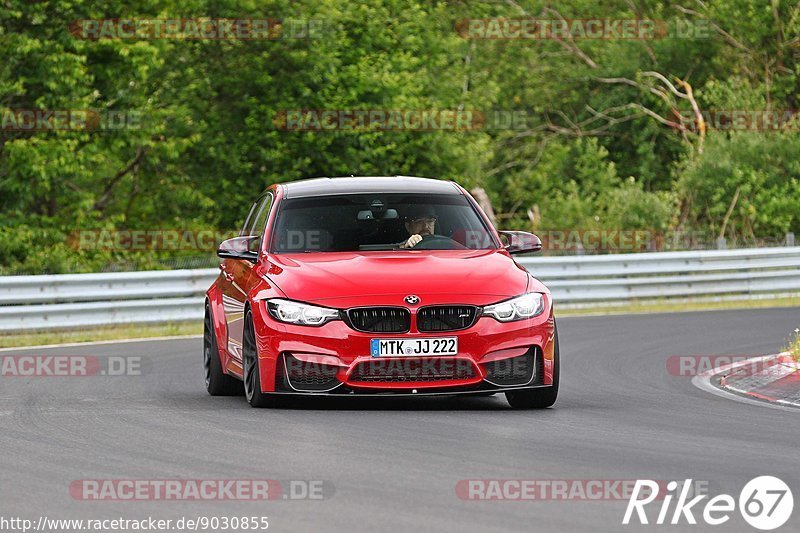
x: 393, y: 464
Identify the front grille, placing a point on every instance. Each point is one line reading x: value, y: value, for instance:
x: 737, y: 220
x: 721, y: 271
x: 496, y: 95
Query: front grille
x: 513, y: 371
x: 305, y: 376
x: 446, y: 317
x: 413, y: 369
x: 380, y: 319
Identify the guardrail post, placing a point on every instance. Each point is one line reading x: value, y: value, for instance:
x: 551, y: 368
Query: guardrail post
x: 721, y: 244
x: 790, y: 238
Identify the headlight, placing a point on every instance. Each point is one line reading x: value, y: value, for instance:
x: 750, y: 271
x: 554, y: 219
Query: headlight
x: 300, y: 313
x: 525, y: 306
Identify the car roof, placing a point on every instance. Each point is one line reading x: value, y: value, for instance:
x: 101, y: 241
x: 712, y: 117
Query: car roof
x: 367, y: 185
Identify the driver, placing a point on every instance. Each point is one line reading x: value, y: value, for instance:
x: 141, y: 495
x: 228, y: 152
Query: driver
x: 420, y: 220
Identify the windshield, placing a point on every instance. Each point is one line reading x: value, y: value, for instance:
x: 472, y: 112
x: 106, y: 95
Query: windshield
x: 363, y: 222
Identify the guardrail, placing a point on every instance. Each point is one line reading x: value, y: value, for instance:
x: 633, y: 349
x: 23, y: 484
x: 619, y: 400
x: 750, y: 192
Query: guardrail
x: 624, y: 277
x: 84, y: 300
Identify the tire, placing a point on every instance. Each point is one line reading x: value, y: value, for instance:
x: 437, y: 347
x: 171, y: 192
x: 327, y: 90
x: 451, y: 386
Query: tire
x: 539, y: 398
x: 218, y: 383
x: 252, y: 372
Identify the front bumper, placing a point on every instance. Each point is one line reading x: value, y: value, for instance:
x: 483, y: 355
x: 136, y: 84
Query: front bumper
x: 335, y: 359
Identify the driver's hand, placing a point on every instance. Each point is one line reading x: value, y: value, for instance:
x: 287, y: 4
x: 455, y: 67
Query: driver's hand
x: 412, y: 241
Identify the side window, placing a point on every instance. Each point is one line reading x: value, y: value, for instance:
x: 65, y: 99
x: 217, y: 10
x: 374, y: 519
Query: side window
x: 248, y: 222
x: 260, y: 220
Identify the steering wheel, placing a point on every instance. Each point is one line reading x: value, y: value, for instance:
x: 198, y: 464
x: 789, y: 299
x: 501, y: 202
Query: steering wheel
x: 438, y: 242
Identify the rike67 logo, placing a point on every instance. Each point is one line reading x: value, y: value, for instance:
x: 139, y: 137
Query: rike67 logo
x: 766, y: 503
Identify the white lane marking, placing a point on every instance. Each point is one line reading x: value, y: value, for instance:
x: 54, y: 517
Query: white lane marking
x: 91, y: 343
x: 703, y: 382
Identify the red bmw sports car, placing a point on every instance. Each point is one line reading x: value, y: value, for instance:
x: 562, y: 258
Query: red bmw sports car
x: 377, y: 286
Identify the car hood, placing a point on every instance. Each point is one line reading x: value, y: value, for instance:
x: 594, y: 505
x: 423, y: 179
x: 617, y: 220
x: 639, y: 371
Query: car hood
x: 476, y: 277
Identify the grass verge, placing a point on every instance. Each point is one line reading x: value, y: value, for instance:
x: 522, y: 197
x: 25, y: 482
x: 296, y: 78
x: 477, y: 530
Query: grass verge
x: 794, y: 345
x: 105, y: 333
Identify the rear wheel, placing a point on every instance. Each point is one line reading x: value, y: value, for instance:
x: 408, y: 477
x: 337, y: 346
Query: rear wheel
x: 539, y: 398
x: 217, y: 382
x: 252, y: 372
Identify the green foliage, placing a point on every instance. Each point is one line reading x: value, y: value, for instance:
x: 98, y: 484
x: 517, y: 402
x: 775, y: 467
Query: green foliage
x: 208, y: 141
x: 763, y: 168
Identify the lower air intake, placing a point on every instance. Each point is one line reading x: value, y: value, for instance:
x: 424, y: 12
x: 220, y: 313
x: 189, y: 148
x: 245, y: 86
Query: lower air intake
x: 309, y: 377
x: 513, y: 371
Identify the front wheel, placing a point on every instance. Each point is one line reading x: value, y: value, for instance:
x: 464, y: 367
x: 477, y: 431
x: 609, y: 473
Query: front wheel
x: 539, y: 398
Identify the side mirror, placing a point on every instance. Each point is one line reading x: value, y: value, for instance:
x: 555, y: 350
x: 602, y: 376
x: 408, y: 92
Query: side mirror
x: 239, y: 248
x: 520, y: 242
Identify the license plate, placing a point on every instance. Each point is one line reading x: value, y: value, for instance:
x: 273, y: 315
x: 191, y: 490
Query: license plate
x: 414, y: 347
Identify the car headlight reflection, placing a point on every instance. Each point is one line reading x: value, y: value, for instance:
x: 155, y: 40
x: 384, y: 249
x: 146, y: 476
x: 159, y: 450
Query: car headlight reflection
x: 525, y: 306
x: 299, y: 313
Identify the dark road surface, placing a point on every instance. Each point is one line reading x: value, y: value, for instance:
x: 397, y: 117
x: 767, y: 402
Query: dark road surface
x: 393, y: 464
